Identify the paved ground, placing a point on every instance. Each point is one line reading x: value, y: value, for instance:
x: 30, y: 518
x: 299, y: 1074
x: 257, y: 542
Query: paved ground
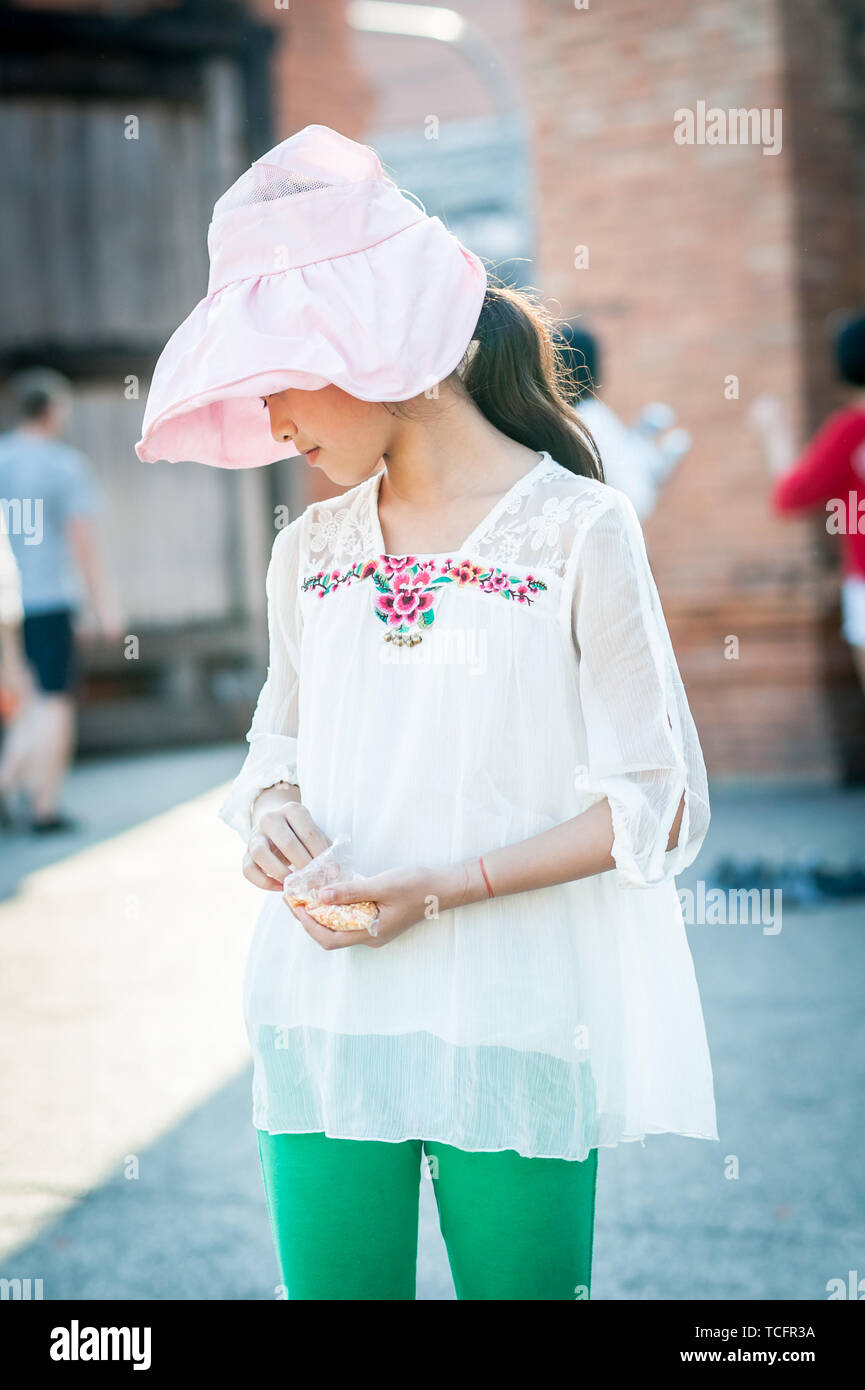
x: 129, y: 1167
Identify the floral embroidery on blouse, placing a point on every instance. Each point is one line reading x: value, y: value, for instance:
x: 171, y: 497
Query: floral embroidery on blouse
x: 406, y: 588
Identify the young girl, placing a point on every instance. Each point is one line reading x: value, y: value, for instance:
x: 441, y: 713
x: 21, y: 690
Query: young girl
x: 471, y: 677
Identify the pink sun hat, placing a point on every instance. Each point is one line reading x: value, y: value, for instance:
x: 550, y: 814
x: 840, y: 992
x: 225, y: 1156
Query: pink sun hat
x: 321, y: 271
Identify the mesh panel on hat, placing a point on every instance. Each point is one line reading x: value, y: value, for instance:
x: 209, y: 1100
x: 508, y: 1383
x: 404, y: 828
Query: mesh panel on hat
x: 263, y: 183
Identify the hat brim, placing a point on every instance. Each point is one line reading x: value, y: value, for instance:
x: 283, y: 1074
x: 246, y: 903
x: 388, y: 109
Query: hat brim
x: 383, y: 324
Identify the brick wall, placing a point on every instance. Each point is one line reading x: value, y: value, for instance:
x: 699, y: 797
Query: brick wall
x: 705, y: 262
x: 701, y: 268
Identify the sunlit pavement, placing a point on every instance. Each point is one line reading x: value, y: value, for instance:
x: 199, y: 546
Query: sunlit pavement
x: 129, y: 1167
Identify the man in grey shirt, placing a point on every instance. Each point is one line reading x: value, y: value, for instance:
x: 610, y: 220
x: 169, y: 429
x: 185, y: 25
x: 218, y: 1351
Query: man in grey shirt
x: 48, y: 499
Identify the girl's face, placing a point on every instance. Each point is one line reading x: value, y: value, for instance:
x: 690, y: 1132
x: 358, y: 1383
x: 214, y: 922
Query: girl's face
x: 338, y: 433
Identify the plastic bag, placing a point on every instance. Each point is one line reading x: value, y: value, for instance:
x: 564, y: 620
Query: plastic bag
x: 334, y: 865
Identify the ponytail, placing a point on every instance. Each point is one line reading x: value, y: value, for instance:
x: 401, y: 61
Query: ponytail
x: 521, y: 383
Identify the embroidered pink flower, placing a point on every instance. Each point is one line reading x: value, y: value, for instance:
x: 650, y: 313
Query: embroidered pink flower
x: 498, y: 580
x: 396, y: 564
x: 405, y: 603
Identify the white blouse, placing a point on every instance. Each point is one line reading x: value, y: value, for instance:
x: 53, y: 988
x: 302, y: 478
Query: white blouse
x: 437, y: 707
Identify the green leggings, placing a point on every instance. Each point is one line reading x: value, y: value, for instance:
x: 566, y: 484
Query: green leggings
x: 344, y: 1217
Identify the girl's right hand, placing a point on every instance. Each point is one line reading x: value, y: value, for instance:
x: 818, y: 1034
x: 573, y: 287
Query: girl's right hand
x: 283, y: 838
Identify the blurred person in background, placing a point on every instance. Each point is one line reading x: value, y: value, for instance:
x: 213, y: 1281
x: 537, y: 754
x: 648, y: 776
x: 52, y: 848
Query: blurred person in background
x: 639, y: 458
x: 829, y: 474
x: 16, y: 685
x: 49, y: 499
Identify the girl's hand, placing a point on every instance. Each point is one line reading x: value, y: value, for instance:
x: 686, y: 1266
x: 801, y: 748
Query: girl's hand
x: 284, y: 837
x: 404, y: 897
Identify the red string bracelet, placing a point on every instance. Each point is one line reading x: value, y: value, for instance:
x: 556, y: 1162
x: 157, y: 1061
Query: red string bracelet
x: 486, y: 880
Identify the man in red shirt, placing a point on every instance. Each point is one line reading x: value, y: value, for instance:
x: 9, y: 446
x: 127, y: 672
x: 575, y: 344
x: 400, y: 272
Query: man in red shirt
x: 831, y: 474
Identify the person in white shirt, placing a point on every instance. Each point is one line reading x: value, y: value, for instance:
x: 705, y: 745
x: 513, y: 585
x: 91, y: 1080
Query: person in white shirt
x: 639, y: 458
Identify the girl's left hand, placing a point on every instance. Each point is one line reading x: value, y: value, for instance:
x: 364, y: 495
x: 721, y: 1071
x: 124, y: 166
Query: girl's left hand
x: 404, y: 897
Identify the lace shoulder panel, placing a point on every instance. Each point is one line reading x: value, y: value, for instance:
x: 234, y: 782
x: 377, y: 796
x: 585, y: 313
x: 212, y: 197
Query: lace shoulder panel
x: 537, y: 528
x: 338, y: 531
x: 540, y: 526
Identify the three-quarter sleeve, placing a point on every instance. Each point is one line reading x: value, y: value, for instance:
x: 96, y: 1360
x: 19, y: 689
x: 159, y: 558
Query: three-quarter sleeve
x: 643, y: 752
x: 272, y: 736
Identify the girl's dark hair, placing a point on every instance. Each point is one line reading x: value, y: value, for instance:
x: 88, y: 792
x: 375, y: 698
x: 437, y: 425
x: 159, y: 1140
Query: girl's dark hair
x: 522, y: 383
x: 579, y: 351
